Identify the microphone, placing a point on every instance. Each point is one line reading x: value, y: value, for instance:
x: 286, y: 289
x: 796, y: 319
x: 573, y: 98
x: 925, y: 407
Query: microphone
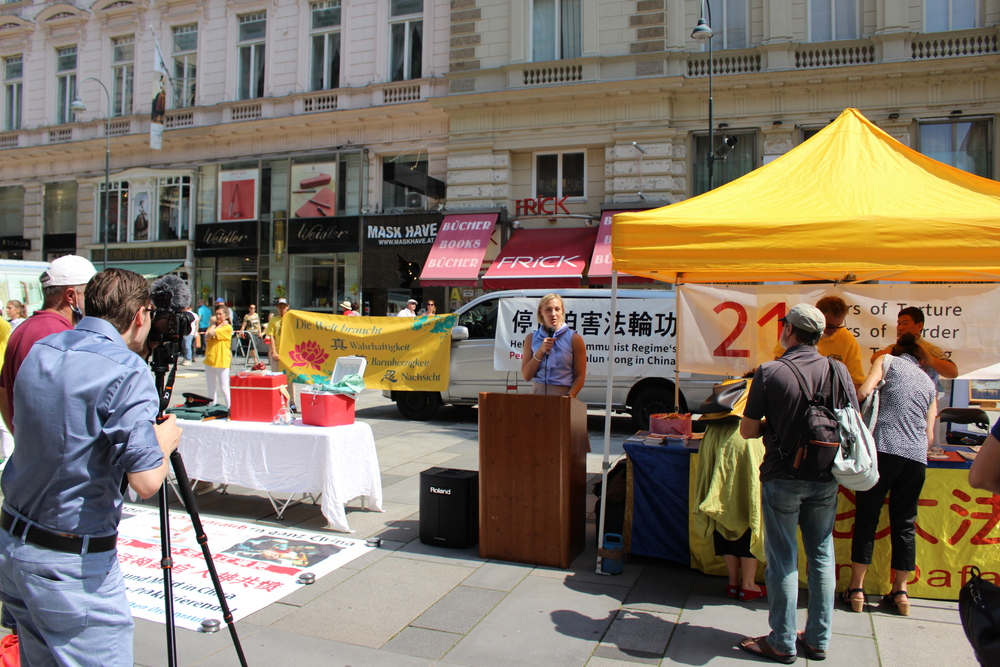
x: 550, y: 331
x: 170, y: 293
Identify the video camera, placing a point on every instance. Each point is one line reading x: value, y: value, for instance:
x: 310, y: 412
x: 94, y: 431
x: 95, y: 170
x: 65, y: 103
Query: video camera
x: 171, y: 323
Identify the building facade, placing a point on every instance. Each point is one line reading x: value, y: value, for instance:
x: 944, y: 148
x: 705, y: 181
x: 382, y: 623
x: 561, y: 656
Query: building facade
x: 313, y: 151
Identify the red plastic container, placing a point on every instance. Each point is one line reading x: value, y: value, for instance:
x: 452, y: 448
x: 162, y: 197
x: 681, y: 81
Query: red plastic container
x: 255, y: 397
x: 322, y: 409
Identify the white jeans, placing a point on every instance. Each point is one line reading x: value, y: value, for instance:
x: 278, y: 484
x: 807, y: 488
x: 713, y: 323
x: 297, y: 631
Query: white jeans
x: 218, y: 378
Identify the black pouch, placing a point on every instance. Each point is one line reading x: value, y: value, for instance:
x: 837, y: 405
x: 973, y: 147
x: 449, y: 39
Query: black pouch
x: 979, y: 609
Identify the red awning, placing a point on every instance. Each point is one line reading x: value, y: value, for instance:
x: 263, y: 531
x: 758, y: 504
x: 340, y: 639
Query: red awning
x: 457, y: 254
x: 542, y: 258
x: 600, y: 262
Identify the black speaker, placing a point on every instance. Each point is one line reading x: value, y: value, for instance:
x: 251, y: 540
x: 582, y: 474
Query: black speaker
x: 449, y: 507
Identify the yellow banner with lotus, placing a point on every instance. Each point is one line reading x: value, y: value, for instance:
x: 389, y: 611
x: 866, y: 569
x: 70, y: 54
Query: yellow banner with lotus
x: 403, y: 353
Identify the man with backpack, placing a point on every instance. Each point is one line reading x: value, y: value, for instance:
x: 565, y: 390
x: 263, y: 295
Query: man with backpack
x: 786, y: 405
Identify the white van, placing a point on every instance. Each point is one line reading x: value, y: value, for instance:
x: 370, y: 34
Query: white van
x: 491, y: 330
x: 20, y: 280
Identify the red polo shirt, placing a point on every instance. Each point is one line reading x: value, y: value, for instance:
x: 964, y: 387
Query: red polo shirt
x: 41, y: 324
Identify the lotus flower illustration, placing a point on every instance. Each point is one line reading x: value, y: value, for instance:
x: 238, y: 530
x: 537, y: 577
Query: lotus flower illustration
x: 309, y: 353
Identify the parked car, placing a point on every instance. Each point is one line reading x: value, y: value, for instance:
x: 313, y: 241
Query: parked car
x: 644, y: 370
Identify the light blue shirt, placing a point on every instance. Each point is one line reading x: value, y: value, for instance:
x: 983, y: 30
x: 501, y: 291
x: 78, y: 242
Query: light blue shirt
x: 556, y: 367
x: 84, y: 409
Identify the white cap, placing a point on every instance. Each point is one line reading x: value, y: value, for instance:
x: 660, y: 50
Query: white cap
x: 413, y: 301
x: 282, y: 301
x: 68, y: 270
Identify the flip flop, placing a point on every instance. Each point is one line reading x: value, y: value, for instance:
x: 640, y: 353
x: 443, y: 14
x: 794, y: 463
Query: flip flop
x: 764, y: 650
x: 810, y: 652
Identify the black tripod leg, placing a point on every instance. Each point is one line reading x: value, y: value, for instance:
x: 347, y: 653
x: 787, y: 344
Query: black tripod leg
x: 167, y: 564
x: 188, y: 497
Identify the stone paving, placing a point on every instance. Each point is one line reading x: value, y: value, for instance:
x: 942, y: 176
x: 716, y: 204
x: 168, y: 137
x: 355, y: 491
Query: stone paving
x: 412, y: 604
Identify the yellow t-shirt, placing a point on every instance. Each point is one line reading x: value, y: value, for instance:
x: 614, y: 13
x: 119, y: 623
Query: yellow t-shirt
x: 219, y: 350
x: 842, y: 346
x: 4, y: 335
x: 273, y: 332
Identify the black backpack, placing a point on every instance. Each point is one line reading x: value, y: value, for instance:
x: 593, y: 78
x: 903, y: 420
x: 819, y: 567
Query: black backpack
x: 811, y: 458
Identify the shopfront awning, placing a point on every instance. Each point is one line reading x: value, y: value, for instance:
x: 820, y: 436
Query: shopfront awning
x: 148, y: 270
x: 458, y: 250
x: 542, y: 258
x: 600, y: 263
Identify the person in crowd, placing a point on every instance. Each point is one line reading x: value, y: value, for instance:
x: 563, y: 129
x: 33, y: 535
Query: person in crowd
x: 63, y: 290
x: 204, y: 321
x: 775, y: 408
x: 727, y: 493
x: 431, y: 308
x: 903, y: 432
x: 356, y: 307
x: 59, y: 572
x: 250, y: 327
x: 229, y: 311
x: 410, y: 310
x: 985, y: 471
x: 837, y: 342
x: 273, y: 333
x: 555, y: 356
x: 6, y: 439
x: 189, y: 342
x: 16, y: 312
x: 346, y: 309
x: 219, y: 354
x: 911, y: 320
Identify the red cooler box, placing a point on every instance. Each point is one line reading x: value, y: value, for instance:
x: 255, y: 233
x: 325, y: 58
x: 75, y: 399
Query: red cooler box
x: 255, y: 397
x: 324, y: 409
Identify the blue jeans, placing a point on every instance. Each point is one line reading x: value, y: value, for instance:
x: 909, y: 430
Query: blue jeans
x: 70, y: 609
x: 188, y: 343
x: 787, y: 504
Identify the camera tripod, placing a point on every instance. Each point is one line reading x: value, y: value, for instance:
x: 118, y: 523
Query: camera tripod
x: 164, y: 361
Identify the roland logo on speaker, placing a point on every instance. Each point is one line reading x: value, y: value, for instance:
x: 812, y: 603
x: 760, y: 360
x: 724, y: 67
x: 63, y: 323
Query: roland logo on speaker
x: 443, y: 492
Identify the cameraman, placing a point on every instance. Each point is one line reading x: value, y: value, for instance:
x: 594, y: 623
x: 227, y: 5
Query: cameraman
x: 88, y: 401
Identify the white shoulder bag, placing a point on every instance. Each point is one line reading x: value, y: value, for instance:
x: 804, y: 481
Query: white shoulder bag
x: 855, y: 465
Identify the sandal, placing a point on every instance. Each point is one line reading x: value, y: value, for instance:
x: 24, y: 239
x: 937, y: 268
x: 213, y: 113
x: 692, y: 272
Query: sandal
x: 892, y: 600
x: 750, y: 596
x: 856, y: 604
x: 764, y: 650
x: 807, y: 650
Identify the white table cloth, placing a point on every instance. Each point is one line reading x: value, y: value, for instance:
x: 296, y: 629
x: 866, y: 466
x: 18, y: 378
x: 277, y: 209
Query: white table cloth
x: 338, y: 461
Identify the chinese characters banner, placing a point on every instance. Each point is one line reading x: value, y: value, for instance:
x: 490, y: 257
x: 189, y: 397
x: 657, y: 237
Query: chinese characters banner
x: 403, y: 353
x: 731, y: 330
x: 957, y: 527
x: 645, y: 331
x: 257, y: 565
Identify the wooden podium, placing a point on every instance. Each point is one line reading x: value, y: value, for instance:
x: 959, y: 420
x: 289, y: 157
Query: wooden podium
x: 532, y: 478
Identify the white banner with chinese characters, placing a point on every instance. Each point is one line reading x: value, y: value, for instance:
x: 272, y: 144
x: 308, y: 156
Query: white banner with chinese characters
x: 257, y: 565
x: 645, y: 334
x: 731, y: 330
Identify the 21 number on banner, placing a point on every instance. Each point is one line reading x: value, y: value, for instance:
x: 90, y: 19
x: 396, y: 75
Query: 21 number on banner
x: 773, y: 314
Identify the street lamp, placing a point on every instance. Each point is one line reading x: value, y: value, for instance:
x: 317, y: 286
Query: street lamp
x: 701, y: 32
x: 77, y: 106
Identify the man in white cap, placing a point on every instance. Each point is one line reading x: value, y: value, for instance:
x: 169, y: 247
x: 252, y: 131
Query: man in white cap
x: 410, y: 310
x: 775, y: 410
x: 63, y: 289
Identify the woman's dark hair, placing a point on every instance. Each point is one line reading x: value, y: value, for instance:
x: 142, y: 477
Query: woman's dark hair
x: 907, y: 344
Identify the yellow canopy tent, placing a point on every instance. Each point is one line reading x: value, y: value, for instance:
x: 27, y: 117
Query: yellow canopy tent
x: 850, y: 204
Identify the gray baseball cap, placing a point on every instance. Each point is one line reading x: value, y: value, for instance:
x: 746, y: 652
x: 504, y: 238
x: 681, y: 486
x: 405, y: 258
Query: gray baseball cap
x: 806, y: 317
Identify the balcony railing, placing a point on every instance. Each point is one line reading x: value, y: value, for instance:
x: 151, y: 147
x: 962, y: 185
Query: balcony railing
x: 724, y: 62
x: 835, y: 54
x: 981, y: 41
